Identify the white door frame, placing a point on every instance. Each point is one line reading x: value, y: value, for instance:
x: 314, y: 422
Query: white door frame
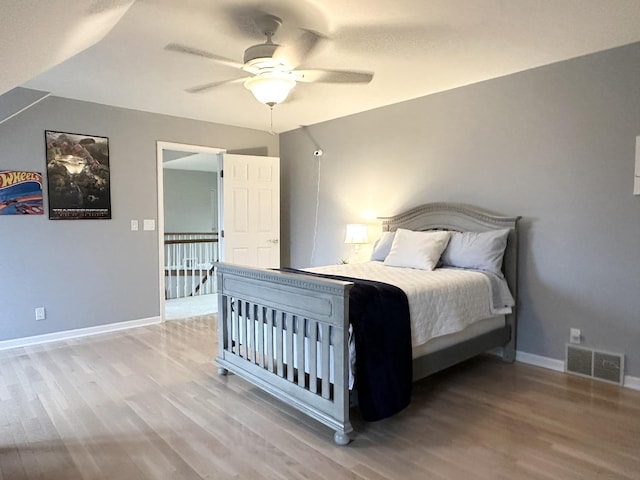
x: 181, y: 147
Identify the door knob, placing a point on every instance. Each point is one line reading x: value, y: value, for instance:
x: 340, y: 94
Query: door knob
x: 273, y: 240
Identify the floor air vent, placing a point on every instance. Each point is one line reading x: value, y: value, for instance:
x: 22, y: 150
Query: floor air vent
x: 594, y: 364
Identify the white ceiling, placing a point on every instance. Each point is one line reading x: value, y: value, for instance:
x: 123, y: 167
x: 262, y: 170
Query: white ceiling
x: 202, y: 162
x: 37, y: 35
x: 414, y: 47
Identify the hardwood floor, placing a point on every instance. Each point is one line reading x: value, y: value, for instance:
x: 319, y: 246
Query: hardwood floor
x: 147, y: 403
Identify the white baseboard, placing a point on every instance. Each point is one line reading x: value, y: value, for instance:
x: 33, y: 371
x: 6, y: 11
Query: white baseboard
x: 558, y: 365
x: 80, y: 332
x: 632, y: 382
x: 540, y: 361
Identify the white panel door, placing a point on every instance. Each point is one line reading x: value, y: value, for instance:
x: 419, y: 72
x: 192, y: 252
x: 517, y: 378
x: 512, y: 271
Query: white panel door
x: 250, y: 188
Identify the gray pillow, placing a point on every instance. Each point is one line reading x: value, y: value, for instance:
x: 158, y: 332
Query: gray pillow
x: 382, y: 247
x: 476, y: 250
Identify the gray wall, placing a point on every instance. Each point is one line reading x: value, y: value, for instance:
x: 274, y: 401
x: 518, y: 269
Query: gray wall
x: 93, y: 272
x: 187, y: 201
x: 555, y: 145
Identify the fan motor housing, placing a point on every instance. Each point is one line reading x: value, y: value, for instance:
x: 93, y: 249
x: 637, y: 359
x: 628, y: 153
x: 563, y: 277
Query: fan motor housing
x: 260, y: 57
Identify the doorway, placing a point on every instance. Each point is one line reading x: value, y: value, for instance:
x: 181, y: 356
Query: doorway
x: 188, y: 214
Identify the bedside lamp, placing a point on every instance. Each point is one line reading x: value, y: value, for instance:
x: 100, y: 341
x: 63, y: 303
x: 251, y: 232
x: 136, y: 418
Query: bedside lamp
x: 356, y: 235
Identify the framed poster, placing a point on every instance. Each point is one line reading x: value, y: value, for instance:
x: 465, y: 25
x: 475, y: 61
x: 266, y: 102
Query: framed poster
x: 20, y: 193
x: 78, y: 176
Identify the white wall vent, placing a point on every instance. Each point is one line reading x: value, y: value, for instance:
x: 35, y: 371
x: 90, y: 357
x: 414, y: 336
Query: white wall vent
x: 587, y: 362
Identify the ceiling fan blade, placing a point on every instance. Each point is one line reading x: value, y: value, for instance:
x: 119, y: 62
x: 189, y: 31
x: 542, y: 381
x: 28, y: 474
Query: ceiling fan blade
x: 332, y: 76
x: 293, y: 54
x: 177, y: 47
x: 209, y: 86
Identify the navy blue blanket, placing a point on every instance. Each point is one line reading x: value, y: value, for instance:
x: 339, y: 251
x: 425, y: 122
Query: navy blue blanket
x: 379, y: 314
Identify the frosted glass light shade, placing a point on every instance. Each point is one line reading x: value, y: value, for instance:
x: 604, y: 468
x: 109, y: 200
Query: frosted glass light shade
x: 270, y: 89
x: 356, y: 233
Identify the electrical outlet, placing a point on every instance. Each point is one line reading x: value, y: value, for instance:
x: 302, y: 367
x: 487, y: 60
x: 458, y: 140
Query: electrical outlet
x: 40, y: 313
x: 575, y: 335
x: 134, y: 225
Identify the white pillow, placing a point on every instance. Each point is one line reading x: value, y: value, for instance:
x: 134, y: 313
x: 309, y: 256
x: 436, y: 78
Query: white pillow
x: 420, y: 250
x: 477, y: 250
x: 382, y: 246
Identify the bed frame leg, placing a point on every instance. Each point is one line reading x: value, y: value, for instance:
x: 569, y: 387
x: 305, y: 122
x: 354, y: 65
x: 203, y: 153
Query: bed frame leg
x: 222, y: 371
x: 509, y: 350
x: 508, y: 355
x: 341, y: 438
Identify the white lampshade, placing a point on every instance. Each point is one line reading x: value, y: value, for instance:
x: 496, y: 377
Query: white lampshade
x: 270, y: 89
x: 356, y: 233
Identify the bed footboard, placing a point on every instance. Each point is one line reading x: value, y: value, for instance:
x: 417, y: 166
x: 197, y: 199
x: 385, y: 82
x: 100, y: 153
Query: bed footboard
x: 288, y: 335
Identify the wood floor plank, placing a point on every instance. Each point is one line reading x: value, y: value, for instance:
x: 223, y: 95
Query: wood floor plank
x: 39, y: 437
x: 147, y: 403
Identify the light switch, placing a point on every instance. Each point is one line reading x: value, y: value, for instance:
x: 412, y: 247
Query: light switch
x: 149, y: 224
x: 134, y: 225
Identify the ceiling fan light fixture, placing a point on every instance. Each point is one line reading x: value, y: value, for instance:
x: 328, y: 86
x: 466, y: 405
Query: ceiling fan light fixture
x: 270, y: 89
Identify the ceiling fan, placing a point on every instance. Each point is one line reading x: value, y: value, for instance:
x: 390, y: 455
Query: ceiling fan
x: 272, y: 67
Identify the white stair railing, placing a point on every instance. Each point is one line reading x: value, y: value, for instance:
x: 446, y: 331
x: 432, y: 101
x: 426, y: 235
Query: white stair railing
x: 189, y: 258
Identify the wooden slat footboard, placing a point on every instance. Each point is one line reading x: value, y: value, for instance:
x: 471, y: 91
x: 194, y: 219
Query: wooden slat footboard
x: 288, y: 335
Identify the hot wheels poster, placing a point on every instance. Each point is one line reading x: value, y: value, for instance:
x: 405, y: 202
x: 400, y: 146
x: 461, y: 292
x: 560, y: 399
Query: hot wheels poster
x: 78, y: 176
x: 20, y: 193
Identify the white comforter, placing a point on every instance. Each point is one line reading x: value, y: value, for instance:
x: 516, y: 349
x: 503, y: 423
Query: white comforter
x: 442, y: 301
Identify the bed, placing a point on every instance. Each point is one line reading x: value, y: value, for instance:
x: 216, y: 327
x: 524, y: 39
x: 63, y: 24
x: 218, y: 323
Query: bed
x: 288, y: 333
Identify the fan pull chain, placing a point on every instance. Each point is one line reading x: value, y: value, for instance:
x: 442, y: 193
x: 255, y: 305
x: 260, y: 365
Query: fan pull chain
x: 271, y: 120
